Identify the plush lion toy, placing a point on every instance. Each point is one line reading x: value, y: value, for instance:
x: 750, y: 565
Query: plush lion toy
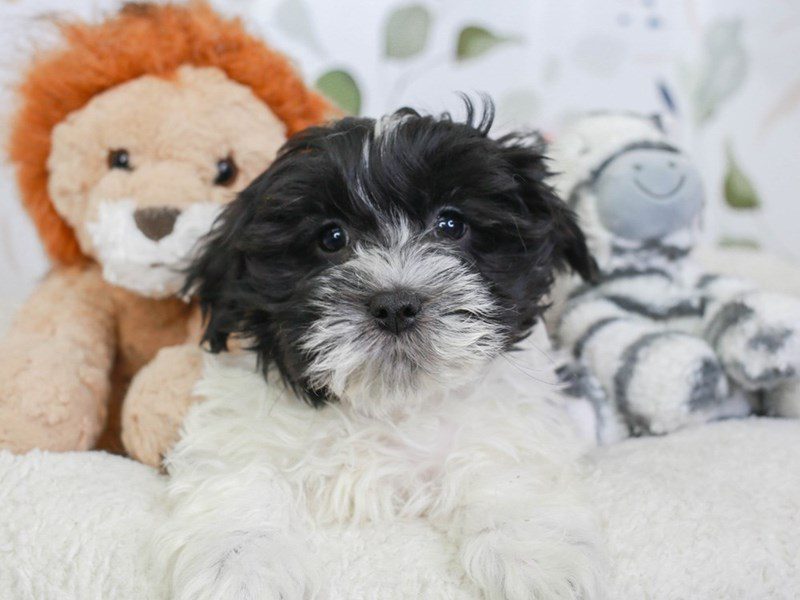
x: 129, y: 138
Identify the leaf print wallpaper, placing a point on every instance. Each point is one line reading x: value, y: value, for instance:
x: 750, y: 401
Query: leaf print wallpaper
x: 723, y: 73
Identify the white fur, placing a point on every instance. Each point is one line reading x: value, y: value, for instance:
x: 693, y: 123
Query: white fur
x: 259, y: 476
x: 148, y: 267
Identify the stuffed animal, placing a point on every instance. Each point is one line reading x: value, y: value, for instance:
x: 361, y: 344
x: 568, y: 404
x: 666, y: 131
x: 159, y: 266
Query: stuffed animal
x: 129, y: 137
x: 659, y: 343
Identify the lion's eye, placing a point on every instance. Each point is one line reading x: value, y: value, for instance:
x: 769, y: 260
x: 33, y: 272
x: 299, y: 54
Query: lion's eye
x: 451, y: 225
x: 332, y: 238
x: 119, y: 159
x: 226, y: 171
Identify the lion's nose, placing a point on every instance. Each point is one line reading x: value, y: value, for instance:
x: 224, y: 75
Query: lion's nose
x: 156, y: 222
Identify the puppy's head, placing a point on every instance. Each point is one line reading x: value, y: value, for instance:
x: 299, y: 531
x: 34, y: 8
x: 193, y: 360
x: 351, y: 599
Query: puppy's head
x: 376, y: 261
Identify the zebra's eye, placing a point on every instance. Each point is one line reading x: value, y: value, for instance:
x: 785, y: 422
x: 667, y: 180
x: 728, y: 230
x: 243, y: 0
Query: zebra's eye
x: 119, y: 159
x: 450, y: 225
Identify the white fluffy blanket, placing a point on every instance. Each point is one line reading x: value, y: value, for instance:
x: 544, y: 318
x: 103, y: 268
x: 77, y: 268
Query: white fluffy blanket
x: 707, y: 513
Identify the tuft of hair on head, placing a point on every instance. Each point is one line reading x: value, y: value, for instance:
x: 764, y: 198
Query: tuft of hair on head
x: 479, y: 116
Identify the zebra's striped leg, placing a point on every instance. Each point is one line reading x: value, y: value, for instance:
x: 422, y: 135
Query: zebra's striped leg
x: 757, y: 337
x: 658, y: 380
x: 596, y: 417
x: 784, y: 400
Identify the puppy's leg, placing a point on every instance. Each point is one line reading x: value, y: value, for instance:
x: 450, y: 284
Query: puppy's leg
x: 523, y: 534
x: 514, y: 504
x: 234, y: 535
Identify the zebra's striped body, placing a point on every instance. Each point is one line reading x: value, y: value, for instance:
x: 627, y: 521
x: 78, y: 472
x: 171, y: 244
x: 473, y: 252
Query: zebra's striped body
x: 658, y: 344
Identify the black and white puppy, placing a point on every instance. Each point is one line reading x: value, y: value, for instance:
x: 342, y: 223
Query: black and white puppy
x: 384, y: 271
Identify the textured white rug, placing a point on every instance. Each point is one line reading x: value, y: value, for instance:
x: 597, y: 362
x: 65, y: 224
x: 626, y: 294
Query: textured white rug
x: 706, y: 513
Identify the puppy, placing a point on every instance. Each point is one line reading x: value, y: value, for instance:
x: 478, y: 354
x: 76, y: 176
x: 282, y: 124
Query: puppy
x: 385, y: 274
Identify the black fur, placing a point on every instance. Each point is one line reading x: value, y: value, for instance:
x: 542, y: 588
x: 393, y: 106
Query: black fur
x: 260, y: 261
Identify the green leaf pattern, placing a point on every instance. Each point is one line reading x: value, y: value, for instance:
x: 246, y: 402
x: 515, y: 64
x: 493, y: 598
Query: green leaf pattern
x: 342, y: 89
x: 407, y: 30
x: 739, y: 192
x: 475, y: 40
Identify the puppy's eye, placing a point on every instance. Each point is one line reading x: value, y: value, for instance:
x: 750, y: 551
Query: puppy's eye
x: 450, y: 224
x: 226, y: 171
x: 332, y: 238
x: 119, y: 159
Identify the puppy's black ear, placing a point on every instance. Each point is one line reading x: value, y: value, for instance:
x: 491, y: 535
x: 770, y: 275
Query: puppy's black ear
x: 570, y: 240
x: 213, y: 275
x: 525, y: 153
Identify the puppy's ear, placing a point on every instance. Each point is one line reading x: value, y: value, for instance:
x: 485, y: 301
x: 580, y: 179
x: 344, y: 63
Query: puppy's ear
x: 570, y: 240
x: 214, y: 274
x: 525, y: 153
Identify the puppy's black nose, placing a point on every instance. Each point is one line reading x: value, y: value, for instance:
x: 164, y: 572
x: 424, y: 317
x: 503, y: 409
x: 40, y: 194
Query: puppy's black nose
x: 395, y: 311
x: 156, y: 222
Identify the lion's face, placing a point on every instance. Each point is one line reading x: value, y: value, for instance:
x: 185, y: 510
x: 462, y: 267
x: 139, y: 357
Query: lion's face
x: 142, y: 170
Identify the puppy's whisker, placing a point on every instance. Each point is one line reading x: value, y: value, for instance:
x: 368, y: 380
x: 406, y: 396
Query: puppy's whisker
x: 528, y: 374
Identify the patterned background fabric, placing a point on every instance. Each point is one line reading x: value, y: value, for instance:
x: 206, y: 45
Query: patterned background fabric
x: 723, y: 72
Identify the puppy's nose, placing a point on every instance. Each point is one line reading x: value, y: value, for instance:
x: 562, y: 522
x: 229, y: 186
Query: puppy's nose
x: 395, y: 311
x: 156, y: 222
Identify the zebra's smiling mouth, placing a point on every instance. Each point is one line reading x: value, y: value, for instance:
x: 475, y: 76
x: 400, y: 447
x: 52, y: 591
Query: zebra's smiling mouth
x: 662, y: 195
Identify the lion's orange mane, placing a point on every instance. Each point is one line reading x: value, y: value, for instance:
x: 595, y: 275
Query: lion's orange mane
x: 142, y: 39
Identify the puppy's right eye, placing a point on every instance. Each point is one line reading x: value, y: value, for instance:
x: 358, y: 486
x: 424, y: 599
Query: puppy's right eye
x: 119, y: 159
x: 332, y: 238
x: 451, y: 225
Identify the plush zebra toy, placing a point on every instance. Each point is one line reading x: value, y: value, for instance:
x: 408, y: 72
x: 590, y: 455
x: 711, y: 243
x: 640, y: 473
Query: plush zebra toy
x: 659, y: 343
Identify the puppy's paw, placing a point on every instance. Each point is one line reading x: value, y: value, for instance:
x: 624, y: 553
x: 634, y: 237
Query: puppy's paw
x: 519, y: 565
x: 245, y: 566
x: 757, y: 337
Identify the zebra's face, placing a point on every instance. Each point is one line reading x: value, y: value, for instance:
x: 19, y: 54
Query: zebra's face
x: 648, y: 193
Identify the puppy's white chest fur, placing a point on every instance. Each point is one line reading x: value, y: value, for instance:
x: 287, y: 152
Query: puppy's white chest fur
x: 346, y: 467
x: 258, y: 475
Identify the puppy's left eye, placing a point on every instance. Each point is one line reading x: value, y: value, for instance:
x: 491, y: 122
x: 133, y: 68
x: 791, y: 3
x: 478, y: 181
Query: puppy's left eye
x: 332, y: 238
x: 451, y: 225
x: 226, y: 171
